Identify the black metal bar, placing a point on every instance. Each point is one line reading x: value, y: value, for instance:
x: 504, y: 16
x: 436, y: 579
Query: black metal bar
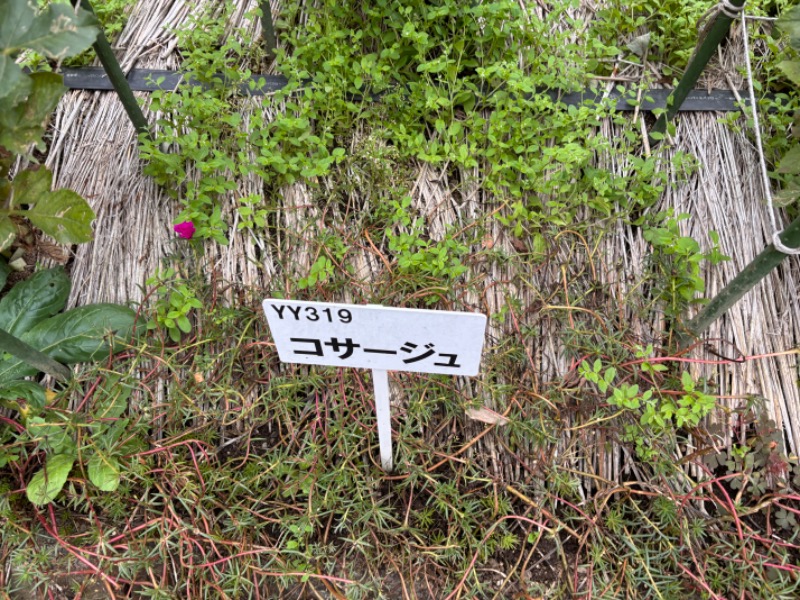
x: 148, y: 80
x: 117, y: 79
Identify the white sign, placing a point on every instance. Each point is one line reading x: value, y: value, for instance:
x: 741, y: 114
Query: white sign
x: 376, y: 337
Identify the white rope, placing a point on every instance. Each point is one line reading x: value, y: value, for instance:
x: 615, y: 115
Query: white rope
x: 730, y: 10
x: 776, y: 233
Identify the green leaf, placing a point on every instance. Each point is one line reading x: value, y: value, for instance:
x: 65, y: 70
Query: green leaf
x: 57, y: 32
x: 789, y: 23
x: 64, y: 216
x: 49, y: 481
x: 22, y: 124
x: 790, y: 162
x: 32, y: 357
x: 791, y: 68
x: 104, y: 472
x: 112, y: 397
x: 78, y: 335
x: 14, y: 84
x: 53, y: 436
x: 33, y: 300
x: 8, y: 233
x: 29, y: 186
x: 687, y: 382
x: 31, y: 394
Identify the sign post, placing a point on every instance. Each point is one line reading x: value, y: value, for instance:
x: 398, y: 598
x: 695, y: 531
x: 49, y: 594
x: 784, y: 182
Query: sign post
x: 378, y: 338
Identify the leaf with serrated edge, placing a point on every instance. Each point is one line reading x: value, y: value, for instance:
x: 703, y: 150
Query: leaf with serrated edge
x: 49, y: 481
x: 64, y: 216
x: 104, y: 472
x: 23, y: 124
x: 57, y: 31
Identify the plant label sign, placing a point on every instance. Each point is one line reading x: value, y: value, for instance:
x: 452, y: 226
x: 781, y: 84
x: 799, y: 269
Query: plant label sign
x: 379, y: 338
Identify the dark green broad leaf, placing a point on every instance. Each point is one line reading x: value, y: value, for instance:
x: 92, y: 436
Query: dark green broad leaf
x: 34, y: 300
x: 14, y: 84
x: 789, y: 23
x: 103, y: 471
x: 58, y: 31
x: 8, y: 232
x: 64, y: 216
x: 791, y: 68
x: 29, y: 186
x: 79, y: 335
x: 22, y: 124
x: 4, y: 271
x: 50, y: 480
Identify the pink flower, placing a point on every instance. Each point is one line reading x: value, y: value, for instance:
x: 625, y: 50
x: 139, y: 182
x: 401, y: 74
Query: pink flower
x: 185, y: 229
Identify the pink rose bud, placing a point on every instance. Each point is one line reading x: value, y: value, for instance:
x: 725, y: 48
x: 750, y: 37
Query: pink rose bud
x: 185, y: 229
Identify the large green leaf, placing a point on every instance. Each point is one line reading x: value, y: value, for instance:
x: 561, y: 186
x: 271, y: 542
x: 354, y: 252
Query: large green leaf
x: 49, y: 481
x: 64, y: 216
x: 29, y: 186
x: 791, y: 68
x: 790, y: 162
x: 58, y: 31
x: 14, y: 84
x: 789, y: 23
x: 104, y: 472
x: 33, y: 300
x: 30, y: 355
x: 22, y: 124
x: 8, y: 232
x: 79, y: 335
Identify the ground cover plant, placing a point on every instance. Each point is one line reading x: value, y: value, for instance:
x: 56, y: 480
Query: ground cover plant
x: 205, y: 468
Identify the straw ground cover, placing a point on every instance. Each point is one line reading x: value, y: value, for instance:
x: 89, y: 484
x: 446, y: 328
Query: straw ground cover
x: 579, y: 464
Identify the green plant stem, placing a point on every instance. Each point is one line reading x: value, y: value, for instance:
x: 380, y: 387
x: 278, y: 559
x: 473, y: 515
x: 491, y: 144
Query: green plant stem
x: 715, y: 32
x: 118, y: 79
x: 760, y: 266
x: 268, y: 29
x: 16, y: 347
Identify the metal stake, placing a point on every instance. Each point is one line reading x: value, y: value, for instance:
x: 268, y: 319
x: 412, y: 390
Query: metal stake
x: 103, y: 50
x: 713, y: 33
x: 758, y: 268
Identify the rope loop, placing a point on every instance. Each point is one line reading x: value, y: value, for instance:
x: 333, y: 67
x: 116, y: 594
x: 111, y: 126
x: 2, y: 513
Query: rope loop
x: 779, y: 245
x: 730, y: 10
x: 776, y: 235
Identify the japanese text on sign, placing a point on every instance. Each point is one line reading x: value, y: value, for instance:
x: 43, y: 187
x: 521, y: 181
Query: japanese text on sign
x: 376, y: 337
